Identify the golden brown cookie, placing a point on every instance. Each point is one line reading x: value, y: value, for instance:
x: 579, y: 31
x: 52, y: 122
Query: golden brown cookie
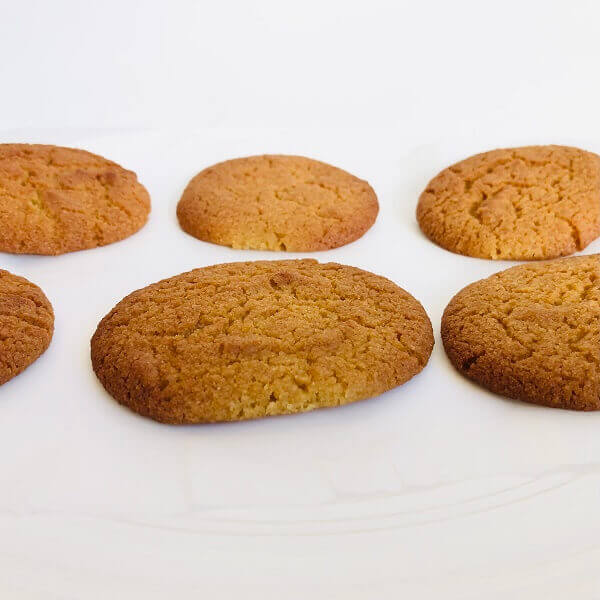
x: 245, y: 340
x: 26, y: 324
x: 531, y: 332
x: 55, y: 200
x: 276, y: 202
x: 518, y: 204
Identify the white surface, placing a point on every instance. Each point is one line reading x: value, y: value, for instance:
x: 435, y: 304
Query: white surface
x: 435, y: 490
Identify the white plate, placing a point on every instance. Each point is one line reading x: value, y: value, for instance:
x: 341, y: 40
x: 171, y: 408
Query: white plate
x: 437, y: 489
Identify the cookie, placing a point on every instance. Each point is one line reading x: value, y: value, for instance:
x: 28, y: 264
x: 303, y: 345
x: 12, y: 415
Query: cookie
x: 26, y: 324
x: 245, y: 340
x: 518, y: 204
x: 276, y: 202
x: 55, y: 200
x: 531, y: 332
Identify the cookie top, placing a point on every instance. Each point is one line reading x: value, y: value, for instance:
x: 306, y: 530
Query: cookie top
x: 531, y: 332
x: 26, y: 324
x: 518, y: 204
x: 245, y: 340
x: 55, y: 200
x: 276, y: 202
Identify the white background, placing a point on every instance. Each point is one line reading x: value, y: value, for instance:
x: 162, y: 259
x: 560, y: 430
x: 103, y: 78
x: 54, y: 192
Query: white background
x: 435, y: 490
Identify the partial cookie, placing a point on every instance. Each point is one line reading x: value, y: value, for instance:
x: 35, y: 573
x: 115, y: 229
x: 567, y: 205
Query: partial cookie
x: 55, y: 200
x: 276, y: 202
x: 517, y: 204
x: 26, y: 324
x: 245, y: 340
x: 531, y: 332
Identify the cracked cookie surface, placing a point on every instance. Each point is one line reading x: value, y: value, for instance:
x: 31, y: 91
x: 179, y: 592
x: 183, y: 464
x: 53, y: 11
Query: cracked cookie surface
x: 276, y: 202
x: 246, y: 340
x: 55, y: 200
x: 531, y: 332
x: 26, y: 324
x: 525, y: 203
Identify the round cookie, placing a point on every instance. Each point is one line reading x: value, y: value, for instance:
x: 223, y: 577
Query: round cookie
x: 517, y: 204
x: 26, y: 324
x: 245, y: 340
x: 55, y: 200
x: 531, y: 332
x: 276, y: 202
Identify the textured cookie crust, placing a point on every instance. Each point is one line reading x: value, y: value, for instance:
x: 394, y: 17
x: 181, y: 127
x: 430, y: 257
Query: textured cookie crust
x: 276, y: 202
x: 518, y: 204
x: 531, y: 332
x: 26, y: 324
x: 55, y: 200
x: 245, y: 340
